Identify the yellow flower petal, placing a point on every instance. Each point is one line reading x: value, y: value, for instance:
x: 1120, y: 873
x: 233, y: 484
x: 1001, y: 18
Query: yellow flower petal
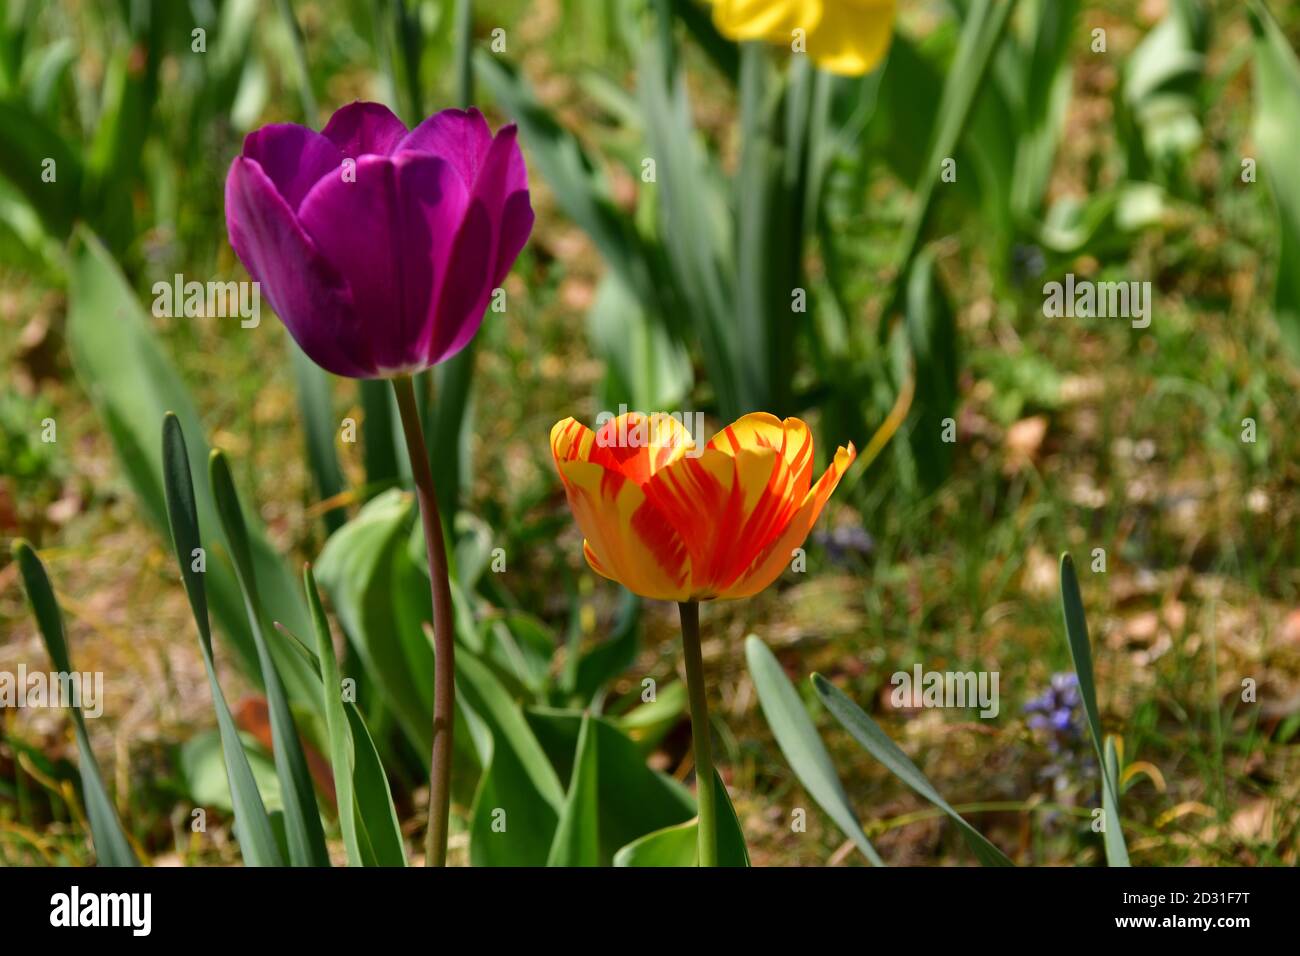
x: 852, y: 36
x: 626, y: 539
x: 772, y: 20
x: 768, y: 566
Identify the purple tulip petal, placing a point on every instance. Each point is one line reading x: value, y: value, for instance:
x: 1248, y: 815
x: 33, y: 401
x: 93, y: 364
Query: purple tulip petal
x: 308, y: 294
x: 361, y: 129
x: 461, y: 137
x: 389, y: 234
x: 495, y: 229
x: 293, y: 157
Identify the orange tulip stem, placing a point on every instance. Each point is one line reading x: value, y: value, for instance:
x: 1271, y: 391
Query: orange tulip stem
x: 444, y: 688
x: 705, y: 794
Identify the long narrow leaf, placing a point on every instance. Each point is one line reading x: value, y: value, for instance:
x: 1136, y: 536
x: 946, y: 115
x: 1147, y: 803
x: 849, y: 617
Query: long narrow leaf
x: 301, y: 815
x: 367, y: 818
x: 256, y: 836
x: 877, y: 743
x: 801, y: 744
x: 112, y: 848
x: 1076, y: 633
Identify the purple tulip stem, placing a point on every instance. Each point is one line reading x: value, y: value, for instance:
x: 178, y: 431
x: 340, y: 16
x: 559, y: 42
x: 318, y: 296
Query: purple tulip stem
x: 695, y: 689
x: 444, y: 688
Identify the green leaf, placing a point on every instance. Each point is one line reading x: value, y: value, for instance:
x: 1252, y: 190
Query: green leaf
x: 257, y: 840
x: 801, y: 744
x: 380, y: 442
x: 202, y: 771
x: 678, y: 845
x: 877, y: 743
x: 981, y: 34
x: 1276, y: 131
x: 518, y: 786
x: 132, y: 384
x: 769, y: 209
x: 696, y: 225
x: 1076, y: 634
x: 648, y: 723
x: 26, y: 143
x: 931, y: 335
x: 302, y: 817
x: 449, y: 425
x: 613, y: 797
x: 359, y: 568
x: 367, y: 817
x: 112, y: 848
x: 315, y: 406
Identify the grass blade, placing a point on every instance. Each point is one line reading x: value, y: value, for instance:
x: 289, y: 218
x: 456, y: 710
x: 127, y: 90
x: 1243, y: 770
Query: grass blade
x: 802, y: 746
x: 868, y: 733
x: 112, y: 848
x: 256, y: 835
x: 1076, y: 633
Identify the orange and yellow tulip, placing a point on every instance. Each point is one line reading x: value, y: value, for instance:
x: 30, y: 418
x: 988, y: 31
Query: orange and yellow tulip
x: 848, y: 37
x: 673, y: 522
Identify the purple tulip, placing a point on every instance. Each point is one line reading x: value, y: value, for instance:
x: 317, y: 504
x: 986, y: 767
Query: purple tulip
x: 379, y: 247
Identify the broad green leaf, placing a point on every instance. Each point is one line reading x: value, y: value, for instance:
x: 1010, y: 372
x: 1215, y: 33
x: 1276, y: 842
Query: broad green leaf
x: 257, y: 840
x: 358, y: 568
x: 112, y: 848
x: 613, y: 797
x: 202, y: 770
x: 1076, y: 634
x: 132, y: 384
x: 648, y: 723
x: 519, y: 796
x: 367, y: 818
x: 877, y: 743
x: 301, y: 815
x: 678, y: 845
x: 801, y: 744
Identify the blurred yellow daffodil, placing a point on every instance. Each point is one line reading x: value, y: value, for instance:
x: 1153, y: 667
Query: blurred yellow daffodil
x: 848, y: 37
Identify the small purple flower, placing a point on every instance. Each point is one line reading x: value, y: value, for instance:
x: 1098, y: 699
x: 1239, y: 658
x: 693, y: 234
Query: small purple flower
x: 1057, y: 715
x: 379, y: 247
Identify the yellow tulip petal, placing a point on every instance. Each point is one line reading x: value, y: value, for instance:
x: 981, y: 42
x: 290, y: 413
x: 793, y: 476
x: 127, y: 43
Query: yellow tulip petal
x: 767, y: 567
x: 726, y: 507
x: 852, y: 36
x: 792, y: 438
x: 772, y: 20
x: 626, y: 539
x: 630, y: 541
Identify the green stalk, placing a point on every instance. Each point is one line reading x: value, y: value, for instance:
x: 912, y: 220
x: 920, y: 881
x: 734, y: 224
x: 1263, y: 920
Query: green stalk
x: 444, y: 688
x: 705, y: 794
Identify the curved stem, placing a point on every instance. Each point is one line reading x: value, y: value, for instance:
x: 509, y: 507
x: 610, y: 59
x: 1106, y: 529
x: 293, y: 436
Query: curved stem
x: 705, y: 794
x: 444, y: 688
